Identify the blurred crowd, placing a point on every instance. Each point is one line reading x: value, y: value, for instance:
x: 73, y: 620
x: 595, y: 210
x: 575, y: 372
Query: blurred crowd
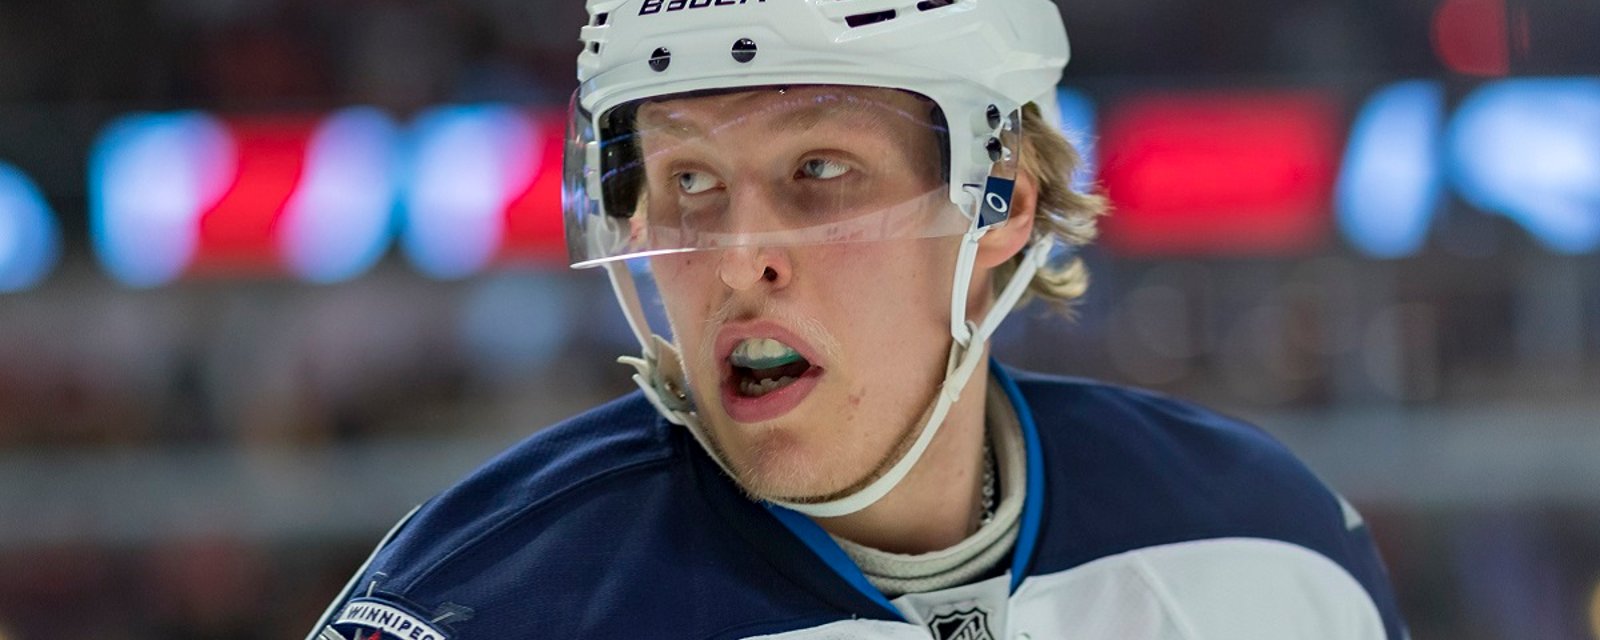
x: 285, y: 52
x: 410, y: 53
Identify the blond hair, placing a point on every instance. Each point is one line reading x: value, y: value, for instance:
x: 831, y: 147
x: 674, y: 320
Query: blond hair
x: 1068, y: 215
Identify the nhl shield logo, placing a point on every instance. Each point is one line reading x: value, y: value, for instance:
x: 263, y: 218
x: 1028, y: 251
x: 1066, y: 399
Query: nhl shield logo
x: 970, y: 624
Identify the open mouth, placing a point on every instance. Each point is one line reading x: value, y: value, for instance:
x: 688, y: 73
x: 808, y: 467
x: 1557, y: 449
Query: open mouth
x: 760, y: 366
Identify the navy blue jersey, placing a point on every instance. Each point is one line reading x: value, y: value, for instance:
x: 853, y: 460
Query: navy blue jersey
x: 1144, y: 517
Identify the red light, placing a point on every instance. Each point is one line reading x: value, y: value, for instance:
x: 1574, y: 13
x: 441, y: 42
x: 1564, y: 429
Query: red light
x: 1472, y: 37
x: 238, y: 233
x: 533, y: 218
x: 1233, y: 174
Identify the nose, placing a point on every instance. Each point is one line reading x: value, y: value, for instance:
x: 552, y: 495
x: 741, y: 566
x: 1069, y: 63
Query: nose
x: 743, y: 268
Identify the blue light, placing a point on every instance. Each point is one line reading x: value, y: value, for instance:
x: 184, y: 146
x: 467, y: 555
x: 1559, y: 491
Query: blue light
x: 466, y: 164
x: 1078, y: 123
x: 1390, y: 189
x: 30, y: 240
x: 1530, y: 150
x: 339, y: 221
x: 151, y: 176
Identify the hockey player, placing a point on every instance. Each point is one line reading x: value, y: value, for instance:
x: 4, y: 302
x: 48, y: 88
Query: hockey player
x: 839, y: 200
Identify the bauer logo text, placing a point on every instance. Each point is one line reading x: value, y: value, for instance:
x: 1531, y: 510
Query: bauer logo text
x: 667, y: 6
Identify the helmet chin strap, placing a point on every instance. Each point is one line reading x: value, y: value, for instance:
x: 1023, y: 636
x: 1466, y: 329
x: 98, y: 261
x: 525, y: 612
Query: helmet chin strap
x: 659, y: 370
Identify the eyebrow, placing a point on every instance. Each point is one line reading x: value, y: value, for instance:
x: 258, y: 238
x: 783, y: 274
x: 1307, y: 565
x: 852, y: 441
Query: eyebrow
x: 831, y: 106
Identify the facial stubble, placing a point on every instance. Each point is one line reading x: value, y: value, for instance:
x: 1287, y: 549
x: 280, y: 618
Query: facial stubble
x: 771, y: 463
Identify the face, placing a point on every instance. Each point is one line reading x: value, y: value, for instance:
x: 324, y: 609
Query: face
x: 810, y: 363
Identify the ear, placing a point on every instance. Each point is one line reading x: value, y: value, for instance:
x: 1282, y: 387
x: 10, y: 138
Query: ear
x: 1004, y: 241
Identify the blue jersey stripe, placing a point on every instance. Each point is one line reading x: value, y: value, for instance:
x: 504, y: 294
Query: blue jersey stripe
x: 1033, y: 501
x: 820, y: 543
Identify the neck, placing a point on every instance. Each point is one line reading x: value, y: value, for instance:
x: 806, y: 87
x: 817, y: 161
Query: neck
x: 936, y: 505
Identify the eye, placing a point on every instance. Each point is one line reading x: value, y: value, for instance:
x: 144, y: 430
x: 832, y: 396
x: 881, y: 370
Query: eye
x: 694, y: 182
x: 823, y: 169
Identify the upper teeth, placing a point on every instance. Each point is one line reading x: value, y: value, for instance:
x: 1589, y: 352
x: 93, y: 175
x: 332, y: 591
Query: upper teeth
x: 762, y: 353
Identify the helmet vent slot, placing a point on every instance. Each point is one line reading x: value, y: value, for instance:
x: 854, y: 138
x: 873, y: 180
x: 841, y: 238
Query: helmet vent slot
x: 929, y: 5
x: 864, y: 19
x: 601, y: 18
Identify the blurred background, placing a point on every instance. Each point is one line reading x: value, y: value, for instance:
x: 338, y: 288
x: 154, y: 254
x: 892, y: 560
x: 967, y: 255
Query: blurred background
x: 272, y: 272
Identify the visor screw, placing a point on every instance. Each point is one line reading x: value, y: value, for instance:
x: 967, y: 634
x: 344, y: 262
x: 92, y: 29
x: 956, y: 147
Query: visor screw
x: 661, y: 59
x: 996, y: 150
x: 744, y: 50
x: 994, y: 117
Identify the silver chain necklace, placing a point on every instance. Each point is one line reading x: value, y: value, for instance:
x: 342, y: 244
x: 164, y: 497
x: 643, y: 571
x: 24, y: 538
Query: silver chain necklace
x: 986, y: 501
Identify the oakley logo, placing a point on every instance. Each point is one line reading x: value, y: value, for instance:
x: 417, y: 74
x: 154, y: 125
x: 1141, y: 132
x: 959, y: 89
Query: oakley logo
x: 658, y: 6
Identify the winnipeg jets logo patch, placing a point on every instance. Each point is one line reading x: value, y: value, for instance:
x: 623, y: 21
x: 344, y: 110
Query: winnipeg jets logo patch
x: 384, y: 620
x: 969, y: 624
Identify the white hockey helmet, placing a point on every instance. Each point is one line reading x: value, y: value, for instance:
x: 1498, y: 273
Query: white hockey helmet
x: 977, y: 61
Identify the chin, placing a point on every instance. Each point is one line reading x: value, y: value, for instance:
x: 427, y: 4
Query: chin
x: 776, y: 463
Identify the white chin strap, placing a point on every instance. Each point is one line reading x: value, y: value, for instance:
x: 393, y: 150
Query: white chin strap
x: 660, y: 375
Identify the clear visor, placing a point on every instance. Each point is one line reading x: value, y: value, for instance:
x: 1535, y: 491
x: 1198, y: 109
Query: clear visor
x: 766, y: 166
